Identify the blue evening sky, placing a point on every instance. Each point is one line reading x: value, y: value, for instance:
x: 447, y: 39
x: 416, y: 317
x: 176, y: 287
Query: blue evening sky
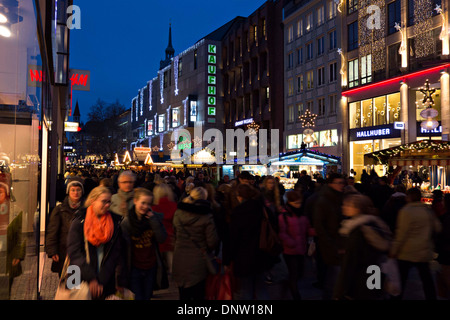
x: 122, y: 42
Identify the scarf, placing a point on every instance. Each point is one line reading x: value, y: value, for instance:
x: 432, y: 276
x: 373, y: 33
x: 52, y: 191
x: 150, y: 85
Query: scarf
x: 98, y: 230
x: 125, y: 198
x: 74, y: 205
x: 137, y: 227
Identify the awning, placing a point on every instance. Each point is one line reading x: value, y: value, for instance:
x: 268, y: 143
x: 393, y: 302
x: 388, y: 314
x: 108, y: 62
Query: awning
x: 305, y: 157
x: 423, y: 152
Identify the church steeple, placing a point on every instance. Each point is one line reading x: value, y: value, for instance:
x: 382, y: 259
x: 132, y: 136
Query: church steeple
x: 76, y: 113
x: 170, y: 51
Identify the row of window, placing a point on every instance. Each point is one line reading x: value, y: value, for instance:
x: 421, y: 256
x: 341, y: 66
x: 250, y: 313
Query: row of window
x: 321, y: 79
x: 294, y: 113
x: 308, y: 27
x: 320, y: 42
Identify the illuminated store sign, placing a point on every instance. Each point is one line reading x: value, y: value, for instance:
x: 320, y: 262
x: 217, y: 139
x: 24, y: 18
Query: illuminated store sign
x: 378, y: 132
x: 212, y: 79
x: 242, y: 122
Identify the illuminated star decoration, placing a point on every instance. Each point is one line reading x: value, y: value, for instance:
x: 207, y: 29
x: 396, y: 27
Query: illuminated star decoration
x: 342, y: 71
x: 427, y: 94
x: 155, y: 149
x: 197, y: 142
x: 171, y: 145
x: 308, y: 119
x: 253, y: 128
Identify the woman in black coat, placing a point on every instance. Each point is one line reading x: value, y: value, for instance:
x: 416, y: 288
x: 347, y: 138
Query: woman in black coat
x: 59, y: 225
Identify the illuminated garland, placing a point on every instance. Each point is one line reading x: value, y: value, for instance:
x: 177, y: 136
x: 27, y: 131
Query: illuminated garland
x: 141, y: 101
x: 131, y: 113
x: 161, y: 86
x: 175, y: 73
x: 372, y: 39
x: 185, y: 110
x: 423, y: 11
x: 150, y: 91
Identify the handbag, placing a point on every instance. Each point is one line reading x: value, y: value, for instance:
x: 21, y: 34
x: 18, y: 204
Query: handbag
x: 269, y: 241
x: 392, y: 284
x: 80, y: 293
x: 210, y: 258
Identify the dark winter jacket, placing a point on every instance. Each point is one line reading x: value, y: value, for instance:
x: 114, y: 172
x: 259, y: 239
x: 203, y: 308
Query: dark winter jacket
x: 189, y: 265
x: 327, y: 219
x: 245, y: 229
x: 57, y: 231
x: 159, y: 236
x: 390, y: 210
x: 443, y: 240
x: 112, y: 257
x: 367, y: 242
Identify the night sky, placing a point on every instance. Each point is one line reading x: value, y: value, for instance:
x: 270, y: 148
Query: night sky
x: 122, y: 42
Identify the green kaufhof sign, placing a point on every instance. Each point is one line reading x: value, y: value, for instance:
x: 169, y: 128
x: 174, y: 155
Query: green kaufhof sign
x: 212, y: 80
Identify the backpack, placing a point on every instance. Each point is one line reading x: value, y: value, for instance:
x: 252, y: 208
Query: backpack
x: 269, y: 241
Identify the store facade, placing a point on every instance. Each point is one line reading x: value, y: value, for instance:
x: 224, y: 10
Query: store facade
x: 33, y: 103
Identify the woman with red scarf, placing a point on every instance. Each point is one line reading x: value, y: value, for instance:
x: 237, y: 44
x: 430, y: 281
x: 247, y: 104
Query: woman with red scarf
x: 100, y: 229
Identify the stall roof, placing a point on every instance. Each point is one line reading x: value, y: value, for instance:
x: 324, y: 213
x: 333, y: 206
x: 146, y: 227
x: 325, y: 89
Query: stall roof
x: 305, y: 157
x: 423, y: 152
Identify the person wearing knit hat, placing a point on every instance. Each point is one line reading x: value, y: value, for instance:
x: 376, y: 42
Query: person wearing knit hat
x: 74, y: 183
x: 59, y: 224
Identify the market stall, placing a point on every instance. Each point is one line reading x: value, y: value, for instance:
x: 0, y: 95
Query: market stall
x: 429, y: 160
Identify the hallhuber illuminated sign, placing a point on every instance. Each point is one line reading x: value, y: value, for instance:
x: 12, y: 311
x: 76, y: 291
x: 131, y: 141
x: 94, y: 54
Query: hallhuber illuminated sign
x: 373, y: 133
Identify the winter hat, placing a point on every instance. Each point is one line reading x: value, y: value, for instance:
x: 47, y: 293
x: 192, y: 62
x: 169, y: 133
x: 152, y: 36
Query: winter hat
x: 74, y: 183
x: 4, y: 185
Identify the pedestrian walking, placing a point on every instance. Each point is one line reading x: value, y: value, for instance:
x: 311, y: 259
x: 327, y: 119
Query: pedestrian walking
x: 95, y: 231
x: 122, y: 201
x: 164, y: 203
x: 249, y: 264
x: 59, y: 225
x: 143, y: 231
x: 327, y: 217
x: 367, y: 243
x: 195, y: 234
x: 293, y: 231
x: 413, y: 243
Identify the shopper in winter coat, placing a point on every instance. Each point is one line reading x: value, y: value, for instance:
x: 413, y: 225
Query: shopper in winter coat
x: 195, y: 233
x: 59, y: 225
x: 142, y: 230
x: 367, y: 242
x: 293, y: 232
x: 327, y: 219
x: 389, y: 213
x: 98, y: 229
x: 164, y: 203
x: 413, y: 245
x: 248, y: 263
x: 122, y: 201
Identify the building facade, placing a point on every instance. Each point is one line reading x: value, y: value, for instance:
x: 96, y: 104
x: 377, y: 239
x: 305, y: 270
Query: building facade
x: 311, y: 77
x: 184, y: 95
x: 252, y: 60
x: 394, y: 58
x: 34, y: 101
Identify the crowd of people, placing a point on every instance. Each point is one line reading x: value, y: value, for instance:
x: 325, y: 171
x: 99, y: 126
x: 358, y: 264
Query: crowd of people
x: 136, y: 230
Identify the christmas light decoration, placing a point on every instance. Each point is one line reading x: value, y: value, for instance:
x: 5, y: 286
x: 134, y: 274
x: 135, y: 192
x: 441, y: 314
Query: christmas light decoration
x: 339, y: 4
x: 308, y: 119
x: 148, y: 160
x: 423, y: 24
x: 402, y: 50
x: 141, y: 101
x: 197, y: 142
x: 175, y: 73
x: 443, y: 36
x: 171, y: 145
x: 161, y: 86
x: 150, y: 91
x: 342, y: 71
x: 127, y: 158
x: 253, y: 128
x: 155, y: 149
x: 185, y: 110
x: 372, y: 37
x: 161, y: 140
